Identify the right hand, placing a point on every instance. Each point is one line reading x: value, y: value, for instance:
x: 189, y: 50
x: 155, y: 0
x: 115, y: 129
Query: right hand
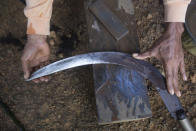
x: 36, y: 54
x: 168, y: 49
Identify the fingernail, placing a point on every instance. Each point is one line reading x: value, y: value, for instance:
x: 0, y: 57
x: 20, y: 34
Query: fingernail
x: 135, y: 54
x: 42, y: 79
x: 178, y: 94
x: 36, y: 82
x: 171, y: 92
x: 185, y: 78
x: 25, y: 76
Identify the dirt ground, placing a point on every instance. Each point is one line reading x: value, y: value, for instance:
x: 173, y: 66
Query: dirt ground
x: 67, y: 101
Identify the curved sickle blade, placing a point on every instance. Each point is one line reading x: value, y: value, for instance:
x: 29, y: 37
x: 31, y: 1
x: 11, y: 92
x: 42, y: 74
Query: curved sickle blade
x: 116, y: 58
x: 142, y: 67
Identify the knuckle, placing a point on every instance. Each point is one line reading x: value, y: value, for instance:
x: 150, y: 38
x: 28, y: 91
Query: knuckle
x: 182, y: 65
x: 23, y: 58
x: 145, y: 54
x: 169, y: 76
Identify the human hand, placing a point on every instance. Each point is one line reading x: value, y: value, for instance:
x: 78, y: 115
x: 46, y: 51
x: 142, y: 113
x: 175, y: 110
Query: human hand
x: 168, y: 49
x: 36, y: 54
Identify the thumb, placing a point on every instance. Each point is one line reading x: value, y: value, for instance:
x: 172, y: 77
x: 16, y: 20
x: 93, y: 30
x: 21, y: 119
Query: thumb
x: 182, y: 70
x: 142, y: 56
x: 25, y: 67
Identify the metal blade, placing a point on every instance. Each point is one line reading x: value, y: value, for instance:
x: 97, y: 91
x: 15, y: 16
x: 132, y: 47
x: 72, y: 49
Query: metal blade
x: 116, y: 58
x: 109, y: 20
x: 142, y: 67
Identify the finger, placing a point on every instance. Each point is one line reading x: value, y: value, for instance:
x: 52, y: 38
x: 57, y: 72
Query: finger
x: 170, y: 85
x: 169, y: 78
x: 39, y: 61
x: 175, y: 84
x: 25, y: 67
x: 44, y: 60
x: 142, y: 56
x: 177, y: 91
x: 44, y: 79
x: 36, y: 80
x: 182, y: 70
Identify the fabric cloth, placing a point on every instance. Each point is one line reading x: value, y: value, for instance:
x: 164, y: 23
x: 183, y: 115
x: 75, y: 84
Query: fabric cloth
x: 175, y: 10
x: 39, y: 13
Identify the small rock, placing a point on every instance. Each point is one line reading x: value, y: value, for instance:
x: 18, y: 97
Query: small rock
x: 139, y: 22
x: 51, y: 42
x: 151, y: 125
x: 52, y: 34
x: 193, y: 78
x: 47, y: 120
x: 67, y: 125
x: 194, y: 120
x: 121, y: 127
x: 194, y: 106
x: 60, y: 55
x: 175, y: 128
x: 9, y: 52
x: 149, y: 16
x: 59, y: 116
x: 68, y: 35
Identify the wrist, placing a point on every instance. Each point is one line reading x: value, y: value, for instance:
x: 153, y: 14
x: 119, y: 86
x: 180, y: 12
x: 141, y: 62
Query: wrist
x: 174, y: 28
x: 37, y: 38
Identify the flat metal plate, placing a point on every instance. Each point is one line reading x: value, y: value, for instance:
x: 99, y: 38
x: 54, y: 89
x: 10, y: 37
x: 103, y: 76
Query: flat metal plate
x: 120, y: 95
x: 109, y: 20
x: 115, y: 86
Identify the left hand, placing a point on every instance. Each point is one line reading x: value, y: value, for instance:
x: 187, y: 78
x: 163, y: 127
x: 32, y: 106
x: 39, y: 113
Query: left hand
x: 35, y: 55
x: 168, y: 49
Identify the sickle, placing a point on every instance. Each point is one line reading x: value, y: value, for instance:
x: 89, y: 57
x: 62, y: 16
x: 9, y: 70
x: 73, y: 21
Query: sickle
x: 142, y: 67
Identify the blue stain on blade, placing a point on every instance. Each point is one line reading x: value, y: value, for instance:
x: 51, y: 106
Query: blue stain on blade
x: 130, y: 82
x: 129, y: 94
x: 132, y: 85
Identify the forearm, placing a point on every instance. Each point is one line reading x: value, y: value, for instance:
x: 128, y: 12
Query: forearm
x: 175, y: 10
x: 38, y: 13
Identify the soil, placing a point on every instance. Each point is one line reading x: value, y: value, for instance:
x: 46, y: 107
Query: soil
x: 67, y: 101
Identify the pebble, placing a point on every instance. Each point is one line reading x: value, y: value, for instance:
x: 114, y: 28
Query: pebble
x: 52, y: 42
x: 175, y: 128
x: 194, y: 106
x: 9, y: 52
x: 194, y: 120
x: 151, y: 125
x: 52, y: 34
x: 47, y: 120
x: 193, y: 78
x: 139, y: 22
x: 149, y: 16
x: 60, y: 55
x: 68, y: 35
x: 59, y: 116
x: 121, y: 127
